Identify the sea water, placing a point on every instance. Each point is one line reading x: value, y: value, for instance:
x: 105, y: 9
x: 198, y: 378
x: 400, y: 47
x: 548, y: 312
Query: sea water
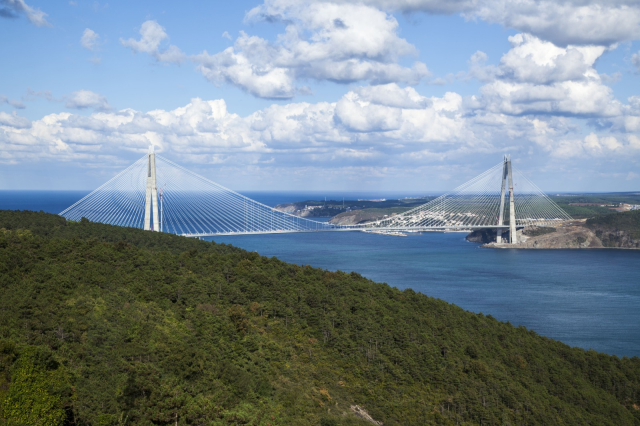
x: 585, y: 298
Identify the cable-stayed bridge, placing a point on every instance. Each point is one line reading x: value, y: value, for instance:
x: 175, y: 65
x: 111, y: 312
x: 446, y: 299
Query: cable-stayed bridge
x: 157, y: 194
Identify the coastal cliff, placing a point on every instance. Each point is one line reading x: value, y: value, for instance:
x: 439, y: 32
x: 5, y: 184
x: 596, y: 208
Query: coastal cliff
x: 355, y: 217
x: 620, y: 230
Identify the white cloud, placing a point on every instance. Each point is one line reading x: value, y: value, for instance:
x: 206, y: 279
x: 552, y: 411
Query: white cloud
x: 14, y: 8
x: 392, y: 95
x: 89, y: 39
x: 565, y: 22
x: 226, y: 35
x: 361, y: 116
x: 533, y: 60
x: 537, y: 77
x: 14, y: 121
x: 593, y: 145
x: 635, y: 60
x: 352, y: 129
x: 258, y: 75
x: 152, y: 35
x: 339, y: 43
x: 379, y: 132
x: 86, y: 99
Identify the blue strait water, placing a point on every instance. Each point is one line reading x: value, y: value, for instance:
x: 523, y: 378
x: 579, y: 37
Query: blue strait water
x: 585, y: 298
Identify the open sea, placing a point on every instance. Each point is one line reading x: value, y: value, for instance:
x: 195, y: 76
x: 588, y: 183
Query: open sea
x: 585, y: 298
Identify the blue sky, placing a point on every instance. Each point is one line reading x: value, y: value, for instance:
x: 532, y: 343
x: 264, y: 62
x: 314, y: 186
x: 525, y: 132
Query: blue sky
x: 287, y: 94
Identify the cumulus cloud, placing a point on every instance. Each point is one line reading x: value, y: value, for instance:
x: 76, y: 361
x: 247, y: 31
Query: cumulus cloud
x: 347, y: 41
x: 629, y: 120
x: 86, y: 99
x: 352, y: 129
x: 537, y: 77
x: 15, y: 8
x: 361, y: 116
x: 595, y: 146
x: 14, y: 121
x: 152, y: 35
x: 536, y: 61
x: 565, y: 22
x: 89, y: 39
x: 370, y: 133
x: 322, y: 41
x: 392, y: 95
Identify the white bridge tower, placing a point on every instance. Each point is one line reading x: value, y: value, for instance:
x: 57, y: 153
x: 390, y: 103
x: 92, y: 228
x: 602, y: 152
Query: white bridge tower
x: 200, y: 207
x: 506, y: 173
x: 151, y: 199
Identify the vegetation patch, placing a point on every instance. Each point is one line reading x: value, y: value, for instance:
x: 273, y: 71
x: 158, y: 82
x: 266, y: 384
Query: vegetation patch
x: 101, y: 325
x: 627, y: 222
x: 536, y: 231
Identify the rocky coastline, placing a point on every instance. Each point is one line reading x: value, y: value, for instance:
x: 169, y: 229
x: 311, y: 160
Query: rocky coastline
x: 577, y: 234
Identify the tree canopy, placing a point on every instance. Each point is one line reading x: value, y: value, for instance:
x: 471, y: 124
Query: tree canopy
x: 101, y: 325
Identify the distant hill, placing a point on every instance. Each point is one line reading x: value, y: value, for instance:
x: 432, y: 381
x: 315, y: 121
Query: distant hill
x: 617, y: 230
x: 101, y: 325
x: 583, y: 206
x: 343, y: 211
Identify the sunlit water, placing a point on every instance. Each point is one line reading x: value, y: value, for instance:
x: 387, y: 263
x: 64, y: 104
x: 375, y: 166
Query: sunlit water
x: 586, y: 298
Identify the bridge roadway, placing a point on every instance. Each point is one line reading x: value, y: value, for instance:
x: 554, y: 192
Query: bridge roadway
x: 348, y: 228
x: 191, y: 205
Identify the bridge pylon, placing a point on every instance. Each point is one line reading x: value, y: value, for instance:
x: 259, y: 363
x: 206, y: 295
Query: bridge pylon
x: 507, y: 175
x: 193, y: 205
x: 151, y: 198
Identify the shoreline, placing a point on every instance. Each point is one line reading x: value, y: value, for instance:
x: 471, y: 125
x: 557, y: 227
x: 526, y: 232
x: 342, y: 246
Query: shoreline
x: 575, y: 235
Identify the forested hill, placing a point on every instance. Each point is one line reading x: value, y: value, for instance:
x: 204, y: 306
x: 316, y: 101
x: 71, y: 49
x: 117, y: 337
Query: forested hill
x: 617, y: 230
x: 102, y: 325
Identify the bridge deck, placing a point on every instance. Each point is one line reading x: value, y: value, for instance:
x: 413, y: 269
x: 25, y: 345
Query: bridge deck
x: 339, y: 228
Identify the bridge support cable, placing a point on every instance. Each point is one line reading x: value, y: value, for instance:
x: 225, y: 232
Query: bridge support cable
x: 227, y: 210
x: 532, y: 206
x: 472, y: 204
x: 191, y: 204
x: 119, y: 201
x: 207, y: 208
x: 481, y: 203
x: 195, y: 206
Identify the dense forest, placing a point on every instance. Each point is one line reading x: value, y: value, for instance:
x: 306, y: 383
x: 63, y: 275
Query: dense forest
x: 616, y: 230
x: 101, y: 325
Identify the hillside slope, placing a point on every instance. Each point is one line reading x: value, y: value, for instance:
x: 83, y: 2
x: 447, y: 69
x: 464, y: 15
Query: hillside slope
x: 102, y: 325
x: 616, y: 230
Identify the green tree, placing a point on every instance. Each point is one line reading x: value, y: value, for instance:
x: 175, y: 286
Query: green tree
x: 33, y: 397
